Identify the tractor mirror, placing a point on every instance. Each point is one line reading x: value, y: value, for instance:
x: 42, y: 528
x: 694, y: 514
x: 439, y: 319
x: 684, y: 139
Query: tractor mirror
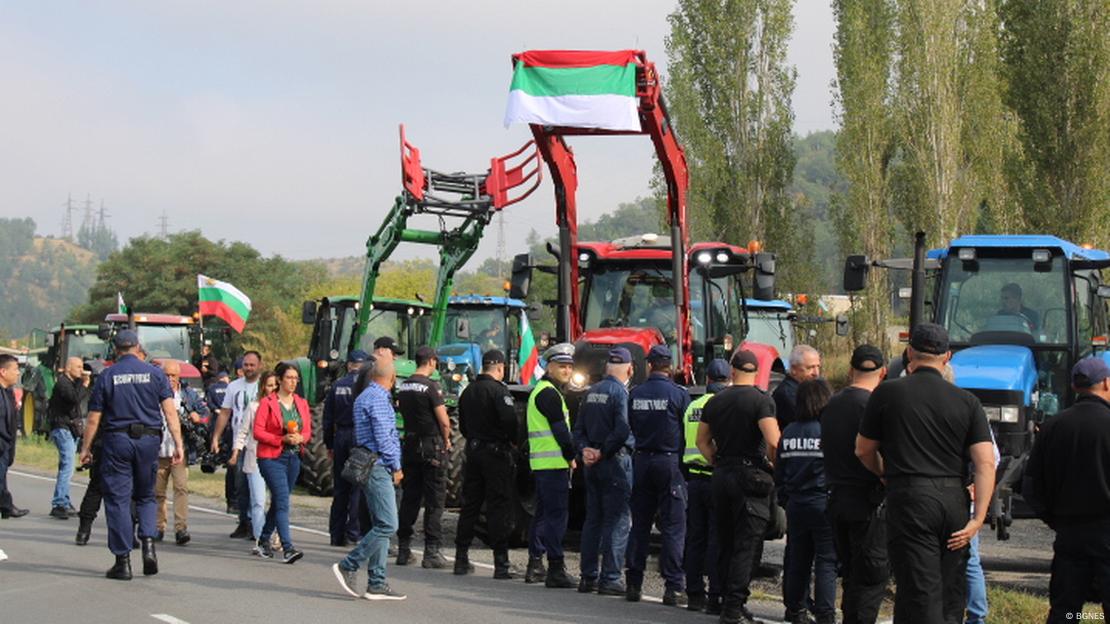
x: 855, y: 273
x: 104, y: 331
x: 841, y: 324
x: 521, y: 279
x: 1103, y: 291
x: 764, y: 287
x: 462, y: 328
x: 308, y: 313
x: 533, y: 313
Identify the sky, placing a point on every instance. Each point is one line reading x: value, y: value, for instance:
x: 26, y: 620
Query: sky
x: 275, y: 122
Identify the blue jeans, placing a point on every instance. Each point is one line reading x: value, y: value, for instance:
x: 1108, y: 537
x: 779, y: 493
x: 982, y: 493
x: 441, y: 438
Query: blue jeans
x: 373, y: 548
x: 67, y: 451
x: 280, y: 475
x: 976, y: 586
x: 608, y: 518
x: 258, y: 501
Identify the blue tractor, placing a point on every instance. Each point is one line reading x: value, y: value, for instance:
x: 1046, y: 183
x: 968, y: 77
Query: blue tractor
x: 475, y: 324
x: 1020, y: 311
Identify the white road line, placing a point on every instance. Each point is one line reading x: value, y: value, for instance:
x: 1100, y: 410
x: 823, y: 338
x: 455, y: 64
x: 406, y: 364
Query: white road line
x: 165, y: 617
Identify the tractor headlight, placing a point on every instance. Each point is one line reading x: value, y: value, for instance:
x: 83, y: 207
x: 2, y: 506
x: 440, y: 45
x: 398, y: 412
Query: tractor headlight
x: 705, y: 257
x: 1003, y: 413
x: 578, y: 381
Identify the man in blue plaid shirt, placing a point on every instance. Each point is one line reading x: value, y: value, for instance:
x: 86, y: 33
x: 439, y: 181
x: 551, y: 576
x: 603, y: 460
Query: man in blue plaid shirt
x: 375, y: 429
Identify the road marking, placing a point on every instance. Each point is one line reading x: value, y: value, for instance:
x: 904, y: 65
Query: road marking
x: 165, y: 617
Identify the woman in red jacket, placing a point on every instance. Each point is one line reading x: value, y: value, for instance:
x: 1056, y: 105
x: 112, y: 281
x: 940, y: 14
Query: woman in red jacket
x: 282, y: 426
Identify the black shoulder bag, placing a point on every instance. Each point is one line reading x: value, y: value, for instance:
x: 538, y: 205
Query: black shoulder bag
x: 358, y: 465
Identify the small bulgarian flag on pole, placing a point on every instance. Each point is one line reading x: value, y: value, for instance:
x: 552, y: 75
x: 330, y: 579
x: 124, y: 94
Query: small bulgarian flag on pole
x: 574, y: 88
x: 224, y: 301
x: 121, y: 307
x: 529, y: 358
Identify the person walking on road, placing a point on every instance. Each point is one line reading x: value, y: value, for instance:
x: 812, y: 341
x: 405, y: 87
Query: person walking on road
x: 67, y: 420
x: 338, y: 432
x: 1068, y: 484
x: 9, y: 430
x: 487, y: 420
x: 237, y: 397
x: 282, y: 428
x: 855, y: 493
x: 925, y: 429
x: 375, y: 430
x: 738, y: 435
x: 244, y: 455
x: 131, y: 397
x: 551, y: 457
x: 189, y: 405
x: 603, y: 438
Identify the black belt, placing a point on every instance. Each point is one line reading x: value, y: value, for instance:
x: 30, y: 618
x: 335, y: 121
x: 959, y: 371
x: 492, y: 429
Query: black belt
x: 910, y: 481
x: 136, y: 431
x: 653, y: 452
x: 623, y: 450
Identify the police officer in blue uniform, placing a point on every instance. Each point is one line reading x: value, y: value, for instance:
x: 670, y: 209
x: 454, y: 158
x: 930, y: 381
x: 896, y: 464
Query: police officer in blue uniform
x: 656, y: 416
x: 127, y: 406
x: 339, y: 436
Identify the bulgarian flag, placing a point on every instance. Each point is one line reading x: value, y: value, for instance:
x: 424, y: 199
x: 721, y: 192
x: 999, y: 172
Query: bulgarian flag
x: 224, y: 301
x: 529, y: 358
x: 121, y: 307
x: 574, y: 88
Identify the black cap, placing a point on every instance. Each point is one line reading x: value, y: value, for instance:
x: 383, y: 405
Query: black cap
x: 358, y: 356
x: 744, y: 361
x: 424, y: 354
x: 929, y: 338
x: 1089, y: 371
x: 717, y: 370
x: 387, y: 342
x: 867, y: 358
x: 125, y: 339
x: 493, y: 356
x: 659, y: 354
x: 619, y: 355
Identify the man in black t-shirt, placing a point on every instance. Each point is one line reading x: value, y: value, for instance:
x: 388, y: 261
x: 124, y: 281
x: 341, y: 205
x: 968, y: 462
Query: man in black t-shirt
x: 423, y: 459
x: 738, y: 434
x: 855, y: 493
x: 925, y: 429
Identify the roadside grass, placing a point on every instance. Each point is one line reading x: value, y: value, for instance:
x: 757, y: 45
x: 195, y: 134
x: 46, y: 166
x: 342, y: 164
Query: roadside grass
x: 1008, y: 606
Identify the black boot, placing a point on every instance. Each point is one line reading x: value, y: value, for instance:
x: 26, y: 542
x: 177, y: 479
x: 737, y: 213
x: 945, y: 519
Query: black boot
x: 502, y: 569
x: 84, y: 530
x: 433, y: 559
x: 462, y: 561
x: 557, y: 576
x: 404, y: 552
x: 150, y: 558
x: 122, y: 570
x: 535, y: 573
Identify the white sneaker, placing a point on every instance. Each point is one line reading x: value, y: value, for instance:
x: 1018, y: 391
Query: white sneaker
x: 3, y: 555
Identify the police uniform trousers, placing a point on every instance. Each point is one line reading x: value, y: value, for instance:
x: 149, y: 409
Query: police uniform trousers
x: 922, y: 513
x: 127, y: 470
x: 343, y: 523
x: 488, y: 480
x: 424, y: 462
x: 859, y: 534
x: 7, y: 459
x: 658, y: 488
x: 1080, y: 568
x: 702, y: 541
x: 741, y: 522
x: 549, y: 520
x: 608, y: 517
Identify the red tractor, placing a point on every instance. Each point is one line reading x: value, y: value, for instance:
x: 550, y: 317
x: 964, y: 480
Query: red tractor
x: 162, y: 336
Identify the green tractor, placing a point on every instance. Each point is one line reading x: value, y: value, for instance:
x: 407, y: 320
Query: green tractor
x: 53, y: 348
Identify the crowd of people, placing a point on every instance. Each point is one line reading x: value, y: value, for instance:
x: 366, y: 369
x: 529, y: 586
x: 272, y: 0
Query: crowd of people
x: 885, y: 477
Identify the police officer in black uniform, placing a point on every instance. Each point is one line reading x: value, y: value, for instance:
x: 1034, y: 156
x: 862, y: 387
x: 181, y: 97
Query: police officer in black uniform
x: 855, y: 493
x: 339, y: 436
x: 1068, y: 484
x: 925, y: 429
x: 488, y: 421
x: 424, y: 452
x: 128, y: 402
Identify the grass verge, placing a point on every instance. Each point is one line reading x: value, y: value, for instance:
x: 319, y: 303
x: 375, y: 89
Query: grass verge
x: 1008, y: 606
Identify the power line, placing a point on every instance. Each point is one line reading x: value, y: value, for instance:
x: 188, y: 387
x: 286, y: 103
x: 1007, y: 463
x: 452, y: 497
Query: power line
x: 88, y: 223
x: 164, y: 225
x: 67, y: 218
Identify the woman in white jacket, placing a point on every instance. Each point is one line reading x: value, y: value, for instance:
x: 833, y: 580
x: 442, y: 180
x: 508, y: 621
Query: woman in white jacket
x: 267, y: 385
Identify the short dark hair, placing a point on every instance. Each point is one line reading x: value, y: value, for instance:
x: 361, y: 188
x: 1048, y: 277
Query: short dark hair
x: 6, y: 359
x: 813, y: 395
x: 1013, y: 289
x: 423, y: 356
x: 283, y: 367
x: 254, y: 353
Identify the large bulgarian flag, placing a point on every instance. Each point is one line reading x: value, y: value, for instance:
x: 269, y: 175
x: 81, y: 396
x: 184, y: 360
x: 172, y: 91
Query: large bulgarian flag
x: 574, y: 88
x: 224, y: 301
x: 529, y: 358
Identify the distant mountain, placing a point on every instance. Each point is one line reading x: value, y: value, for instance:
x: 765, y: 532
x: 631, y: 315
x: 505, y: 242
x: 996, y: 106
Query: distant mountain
x: 350, y: 266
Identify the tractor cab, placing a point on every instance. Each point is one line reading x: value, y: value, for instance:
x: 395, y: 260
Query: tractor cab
x: 163, y: 337
x: 54, y: 347
x: 771, y: 322
x: 475, y: 324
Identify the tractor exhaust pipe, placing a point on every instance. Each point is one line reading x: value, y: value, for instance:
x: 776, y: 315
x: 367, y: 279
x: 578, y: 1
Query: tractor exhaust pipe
x: 917, y: 282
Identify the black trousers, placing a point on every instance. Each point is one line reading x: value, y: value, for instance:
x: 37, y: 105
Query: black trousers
x: 343, y: 522
x: 741, y: 521
x: 922, y: 514
x: 94, y: 495
x: 1080, y: 569
x: 424, y: 463
x: 859, y: 534
x: 488, y: 479
x: 6, y: 460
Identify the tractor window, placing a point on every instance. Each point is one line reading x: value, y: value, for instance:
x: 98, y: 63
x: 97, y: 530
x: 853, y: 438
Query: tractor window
x: 383, y: 323
x: 323, y: 332
x: 640, y: 297
x: 485, y: 327
x: 85, y: 346
x: 1084, y: 328
x: 714, y: 320
x: 165, y: 341
x: 346, y: 328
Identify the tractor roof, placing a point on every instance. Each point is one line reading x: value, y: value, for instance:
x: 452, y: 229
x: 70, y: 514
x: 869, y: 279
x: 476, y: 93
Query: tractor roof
x: 651, y: 247
x: 143, y: 318
x: 384, y: 302
x: 1031, y: 241
x: 482, y: 300
x: 75, y: 327
x: 763, y: 304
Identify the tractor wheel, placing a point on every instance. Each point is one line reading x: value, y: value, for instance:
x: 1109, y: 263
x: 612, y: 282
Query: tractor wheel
x: 456, y: 462
x: 316, y: 472
x: 28, y: 414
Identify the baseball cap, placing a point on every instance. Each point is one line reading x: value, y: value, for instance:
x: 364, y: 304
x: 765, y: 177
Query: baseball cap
x: 125, y: 339
x: 493, y: 356
x: 745, y: 361
x: 1089, y: 371
x: 238, y: 362
x: 659, y: 354
x: 562, y: 352
x: 717, y: 370
x: 424, y: 353
x: 867, y: 358
x: 619, y: 355
x: 387, y: 342
x: 223, y: 374
x: 929, y: 338
x: 358, y: 356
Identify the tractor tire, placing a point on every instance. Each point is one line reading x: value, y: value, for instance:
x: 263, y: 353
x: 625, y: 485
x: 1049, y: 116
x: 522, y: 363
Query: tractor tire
x: 316, y: 466
x: 456, y: 462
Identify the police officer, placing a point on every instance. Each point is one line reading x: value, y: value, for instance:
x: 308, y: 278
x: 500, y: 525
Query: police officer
x: 1067, y: 485
x: 925, y: 429
x: 604, y: 440
x: 701, y: 523
x: 737, y: 435
x: 487, y: 419
x: 551, y: 457
x: 132, y: 397
x: 424, y: 459
x: 338, y: 425
x: 855, y: 493
x: 656, y: 414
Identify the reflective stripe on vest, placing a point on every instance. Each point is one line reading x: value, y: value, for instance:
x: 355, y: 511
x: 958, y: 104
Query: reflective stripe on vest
x: 543, y: 450
x: 692, y: 457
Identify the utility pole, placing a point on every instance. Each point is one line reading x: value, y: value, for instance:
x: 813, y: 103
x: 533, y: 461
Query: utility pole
x: 163, y: 226
x: 102, y: 217
x: 67, y: 219
x: 88, y: 224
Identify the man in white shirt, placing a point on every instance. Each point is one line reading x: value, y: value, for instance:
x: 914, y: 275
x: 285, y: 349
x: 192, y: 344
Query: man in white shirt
x: 239, y: 395
x: 191, y: 407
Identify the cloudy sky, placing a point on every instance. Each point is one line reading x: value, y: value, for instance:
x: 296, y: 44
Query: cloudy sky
x: 275, y: 122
